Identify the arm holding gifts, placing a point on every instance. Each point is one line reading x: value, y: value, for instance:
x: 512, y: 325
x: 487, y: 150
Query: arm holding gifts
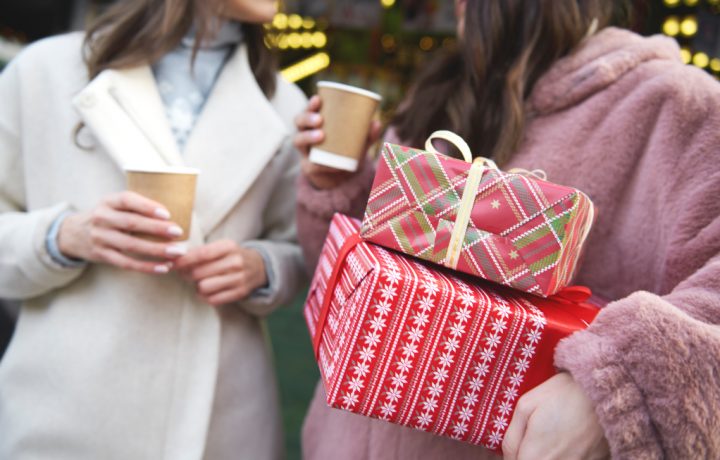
x: 559, y: 405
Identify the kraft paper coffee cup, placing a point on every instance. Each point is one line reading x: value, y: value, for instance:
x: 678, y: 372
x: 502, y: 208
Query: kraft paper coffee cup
x: 173, y: 187
x: 347, y: 113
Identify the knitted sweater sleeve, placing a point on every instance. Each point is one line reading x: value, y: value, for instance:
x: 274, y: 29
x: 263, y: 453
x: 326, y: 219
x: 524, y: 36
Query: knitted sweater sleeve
x: 315, y: 209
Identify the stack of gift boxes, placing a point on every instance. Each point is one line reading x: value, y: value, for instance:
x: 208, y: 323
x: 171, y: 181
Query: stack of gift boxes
x: 445, y: 304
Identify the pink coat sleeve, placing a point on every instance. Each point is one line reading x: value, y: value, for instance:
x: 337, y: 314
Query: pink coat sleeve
x: 651, y: 363
x: 315, y: 209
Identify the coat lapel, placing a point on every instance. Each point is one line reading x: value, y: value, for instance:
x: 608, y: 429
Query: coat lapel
x: 236, y: 135
x: 124, y: 110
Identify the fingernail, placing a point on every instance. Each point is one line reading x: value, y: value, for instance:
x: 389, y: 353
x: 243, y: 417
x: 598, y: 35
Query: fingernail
x: 316, y: 135
x: 174, y: 230
x: 176, y: 250
x: 161, y: 213
x: 315, y: 118
x: 161, y: 269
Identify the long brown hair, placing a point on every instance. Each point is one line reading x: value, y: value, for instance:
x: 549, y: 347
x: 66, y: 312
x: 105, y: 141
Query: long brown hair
x: 479, y: 90
x: 136, y: 32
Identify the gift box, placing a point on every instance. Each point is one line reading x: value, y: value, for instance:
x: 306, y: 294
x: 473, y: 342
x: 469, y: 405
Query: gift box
x: 405, y: 341
x: 511, y: 228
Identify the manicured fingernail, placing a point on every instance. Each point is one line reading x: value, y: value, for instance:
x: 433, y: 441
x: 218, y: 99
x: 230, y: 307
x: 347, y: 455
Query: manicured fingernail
x: 176, y: 250
x: 316, y: 135
x: 174, y: 230
x: 161, y: 269
x: 161, y: 213
x: 315, y: 118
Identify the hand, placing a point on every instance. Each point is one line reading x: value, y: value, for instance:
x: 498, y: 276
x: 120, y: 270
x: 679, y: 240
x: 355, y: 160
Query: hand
x: 555, y: 420
x: 223, y: 272
x: 107, y: 234
x: 309, y: 133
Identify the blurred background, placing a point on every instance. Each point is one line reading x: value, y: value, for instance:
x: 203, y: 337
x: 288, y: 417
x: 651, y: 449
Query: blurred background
x: 376, y: 44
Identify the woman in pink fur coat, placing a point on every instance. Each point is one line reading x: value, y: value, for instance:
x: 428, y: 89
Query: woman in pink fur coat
x: 544, y: 84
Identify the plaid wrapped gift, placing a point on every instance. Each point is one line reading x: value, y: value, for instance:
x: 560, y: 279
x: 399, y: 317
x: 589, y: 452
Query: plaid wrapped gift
x: 407, y: 342
x: 518, y: 230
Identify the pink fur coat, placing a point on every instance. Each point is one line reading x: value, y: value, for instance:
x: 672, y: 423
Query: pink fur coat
x: 625, y: 121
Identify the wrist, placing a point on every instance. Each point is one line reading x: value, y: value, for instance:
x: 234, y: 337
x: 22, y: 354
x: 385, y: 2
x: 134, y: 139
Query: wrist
x: 67, y: 237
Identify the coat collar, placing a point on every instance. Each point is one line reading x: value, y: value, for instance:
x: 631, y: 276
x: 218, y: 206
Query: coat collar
x: 236, y: 135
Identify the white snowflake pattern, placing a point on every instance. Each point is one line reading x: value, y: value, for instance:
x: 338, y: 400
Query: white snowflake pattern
x: 349, y: 400
x: 465, y: 414
x: 510, y: 393
x: 361, y: 369
x: 409, y: 349
x: 415, y: 334
x: 387, y: 410
x: 476, y: 384
x: 522, y: 365
x: 457, y: 329
x: 393, y: 394
x: 355, y: 384
x: 467, y: 299
x: 446, y: 359
x: 487, y: 354
x: 435, y: 389
x: 470, y: 399
x: 367, y: 354
x: 493, y: 340
x: 499, y: 326
x: 463, y: 314
x: 534, y: 336
x: 503, y: 310
x: 377, y: 323
x: 500, y: 423
x: 388, y: 292
x: 424, y: 420
x: 451, y: 344
x: 440, y: 374
x: 383, y: 308
x: 393, y: 276
x: 429, y: 405
x: 398, y: 380
x: 516, y: 379
x: 420, y: 318
x: 481, y: 369
x: 505, y: 408
x: 527, y: 351
x: 425, y: 303
x: 460, y: 429
x: 372, y: 339
x: 430, y: 287
x: 404, y: 365
x: 495, y: 438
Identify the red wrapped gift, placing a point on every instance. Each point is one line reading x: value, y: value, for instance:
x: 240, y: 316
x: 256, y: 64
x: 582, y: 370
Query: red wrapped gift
x: 399, y: 340
x: 510, y: 228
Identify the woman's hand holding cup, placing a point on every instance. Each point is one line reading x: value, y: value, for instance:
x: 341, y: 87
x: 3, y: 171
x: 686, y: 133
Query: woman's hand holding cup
x: 310, y: 133
x: 110, y: 234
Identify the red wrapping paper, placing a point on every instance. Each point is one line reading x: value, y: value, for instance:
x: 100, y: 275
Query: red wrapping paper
x: 403, y: 341
x: 523, y: 232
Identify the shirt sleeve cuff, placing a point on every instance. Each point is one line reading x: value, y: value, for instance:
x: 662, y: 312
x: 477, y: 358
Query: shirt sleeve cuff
x: 51, y: 245
x: 271, y: 286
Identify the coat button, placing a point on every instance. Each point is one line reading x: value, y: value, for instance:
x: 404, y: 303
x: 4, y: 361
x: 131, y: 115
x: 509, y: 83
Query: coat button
x: 88, y: 100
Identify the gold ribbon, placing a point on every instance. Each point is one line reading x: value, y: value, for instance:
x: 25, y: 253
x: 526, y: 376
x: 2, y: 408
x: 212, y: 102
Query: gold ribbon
x: 477, y: 168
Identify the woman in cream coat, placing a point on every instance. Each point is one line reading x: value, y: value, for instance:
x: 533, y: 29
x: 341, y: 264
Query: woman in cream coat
x: 115, y: 356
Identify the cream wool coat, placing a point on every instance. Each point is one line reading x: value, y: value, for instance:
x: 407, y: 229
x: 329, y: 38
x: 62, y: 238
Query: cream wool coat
x: 112, y: 364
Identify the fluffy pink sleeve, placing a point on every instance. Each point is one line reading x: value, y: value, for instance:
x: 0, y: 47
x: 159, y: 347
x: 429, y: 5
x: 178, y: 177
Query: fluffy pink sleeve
x: 651, y: 363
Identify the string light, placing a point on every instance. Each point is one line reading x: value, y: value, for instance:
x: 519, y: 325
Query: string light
x: 685, y: 55
x: 671, y: 26
x: 691, y: 2
x: 387, y: 3
x: 295, y: 21
x: 280, y: 21
x: 715, y: 64
x: 689, y: 26
x: 701, y: 60
x: 426, y: 43
x: 671, y: 3
x: 306, y: 67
